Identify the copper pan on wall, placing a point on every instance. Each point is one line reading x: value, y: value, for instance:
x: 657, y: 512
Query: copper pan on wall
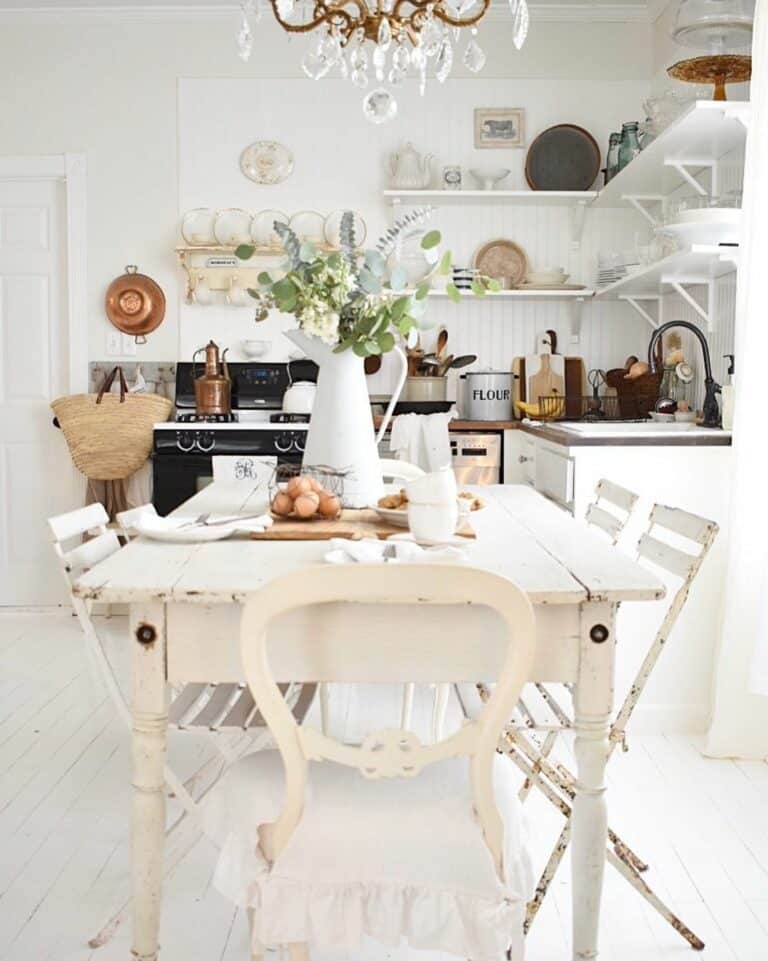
x: 135, y: 304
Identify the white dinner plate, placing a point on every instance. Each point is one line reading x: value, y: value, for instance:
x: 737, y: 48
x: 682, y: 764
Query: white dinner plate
x: 263, y: 231
x: 397, y: 517
x: 266, y: 162
x: 178, y: 530
x: 233, y: 226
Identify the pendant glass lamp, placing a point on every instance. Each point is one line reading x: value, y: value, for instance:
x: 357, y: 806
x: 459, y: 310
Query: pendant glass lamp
x: 719, y: 26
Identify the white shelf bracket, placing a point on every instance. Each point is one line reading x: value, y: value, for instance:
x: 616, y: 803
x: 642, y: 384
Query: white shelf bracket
x: 677, y: 284
x: 635, y: 302
x: 638, y: 201
x: 681, y: 166
x: 575, y: 312
x: 578, y: 216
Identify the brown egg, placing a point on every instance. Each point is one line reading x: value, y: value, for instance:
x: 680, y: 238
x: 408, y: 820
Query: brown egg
x: 330, y: 505
x: 298, y: 485
x: 306, y: 504
x: 282, y: 504
x: 315, y: 485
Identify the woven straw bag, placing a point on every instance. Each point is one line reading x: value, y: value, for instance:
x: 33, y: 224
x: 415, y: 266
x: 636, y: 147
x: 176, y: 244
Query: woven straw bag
x: 109, y: 435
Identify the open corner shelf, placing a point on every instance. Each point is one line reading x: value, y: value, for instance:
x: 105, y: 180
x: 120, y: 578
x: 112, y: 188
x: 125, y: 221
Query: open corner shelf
x: 556, y: 198
x: 705, y: 133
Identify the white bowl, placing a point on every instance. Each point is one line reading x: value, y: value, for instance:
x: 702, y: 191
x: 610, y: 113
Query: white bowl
x: 488, y: 179
x: 551, y: 275
x: 255, y: 348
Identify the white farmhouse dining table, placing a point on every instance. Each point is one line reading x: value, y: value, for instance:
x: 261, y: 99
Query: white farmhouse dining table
x: 185, y: 603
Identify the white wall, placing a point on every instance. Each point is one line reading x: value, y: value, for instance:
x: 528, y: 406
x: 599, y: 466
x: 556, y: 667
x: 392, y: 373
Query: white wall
x: 106, y: 85
x: 341, y: 161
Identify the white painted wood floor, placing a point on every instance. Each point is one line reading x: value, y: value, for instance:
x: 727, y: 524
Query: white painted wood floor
x: 64, y: 798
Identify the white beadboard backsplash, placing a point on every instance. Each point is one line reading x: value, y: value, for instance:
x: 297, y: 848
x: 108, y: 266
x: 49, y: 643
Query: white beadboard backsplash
x: 341, y: 161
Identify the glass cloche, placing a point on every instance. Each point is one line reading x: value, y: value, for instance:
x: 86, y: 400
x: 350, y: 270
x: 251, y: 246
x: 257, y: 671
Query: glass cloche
x: 716, y: 25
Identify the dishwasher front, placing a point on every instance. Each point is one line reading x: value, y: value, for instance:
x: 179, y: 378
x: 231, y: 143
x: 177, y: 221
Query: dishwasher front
x: 477, y: 458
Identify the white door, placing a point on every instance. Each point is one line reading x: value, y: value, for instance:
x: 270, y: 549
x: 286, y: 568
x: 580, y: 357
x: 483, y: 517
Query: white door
x: 37, y: 478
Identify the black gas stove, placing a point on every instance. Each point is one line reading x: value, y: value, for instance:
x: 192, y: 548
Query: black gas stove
x: 184, y: 448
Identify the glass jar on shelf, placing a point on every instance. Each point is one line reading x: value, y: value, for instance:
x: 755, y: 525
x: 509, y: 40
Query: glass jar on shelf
x: 612, y: 157
x: 629, y: 147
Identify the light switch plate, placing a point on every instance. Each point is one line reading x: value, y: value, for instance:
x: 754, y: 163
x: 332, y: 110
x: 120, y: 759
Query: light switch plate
x: 129, y: 345
x: 114, y: 343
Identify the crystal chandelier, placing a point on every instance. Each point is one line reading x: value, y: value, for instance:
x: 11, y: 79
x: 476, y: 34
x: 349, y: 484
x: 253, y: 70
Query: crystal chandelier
x: 378, y: 44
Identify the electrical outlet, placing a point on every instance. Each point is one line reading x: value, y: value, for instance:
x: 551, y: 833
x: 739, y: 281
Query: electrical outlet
x: 114, y: 343
x: 129, y: 345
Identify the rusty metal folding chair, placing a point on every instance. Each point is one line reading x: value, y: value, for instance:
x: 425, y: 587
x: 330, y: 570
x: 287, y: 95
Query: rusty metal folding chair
x: 529, y: 738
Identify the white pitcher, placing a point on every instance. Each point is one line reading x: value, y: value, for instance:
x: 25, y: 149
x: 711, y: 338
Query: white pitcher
x: 340, y: 431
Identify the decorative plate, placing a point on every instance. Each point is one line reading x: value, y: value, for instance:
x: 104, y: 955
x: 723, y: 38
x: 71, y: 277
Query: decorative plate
x: 263, y: 227
x: 564, y: 157
x: 232, y: 226
x: 333, y: 226
x: 502, y: 260
x: 197, y: 227
x: 308, y: 225
x: 266, y: 162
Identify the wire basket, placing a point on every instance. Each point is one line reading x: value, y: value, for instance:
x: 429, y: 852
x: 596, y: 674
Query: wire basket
x: 590, y: 408
x: 329, y: 478
x: 326, y: 492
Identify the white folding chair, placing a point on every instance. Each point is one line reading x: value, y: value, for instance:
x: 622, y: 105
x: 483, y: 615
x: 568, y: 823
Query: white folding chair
x: 208, y: 709
x: 361, y: 851
x: 611, y: 508
x: 676, y: 542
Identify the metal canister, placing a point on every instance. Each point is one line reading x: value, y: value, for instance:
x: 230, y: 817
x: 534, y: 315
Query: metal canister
x: 213, y: 389
x: 487, y: 395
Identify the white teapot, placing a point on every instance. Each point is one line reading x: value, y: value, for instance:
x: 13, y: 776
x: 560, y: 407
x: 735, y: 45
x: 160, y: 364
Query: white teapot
x: 410, y: 171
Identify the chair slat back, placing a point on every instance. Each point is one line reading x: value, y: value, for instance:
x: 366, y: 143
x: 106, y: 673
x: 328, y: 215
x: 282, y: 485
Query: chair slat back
x: 392, y: 752
x: 76, y: 523
x: 127, y: 519
x: 608, y: 523
x: 82, y: 558
x: 621, y: 501
x: 665, y: 556
x: 680, y: 563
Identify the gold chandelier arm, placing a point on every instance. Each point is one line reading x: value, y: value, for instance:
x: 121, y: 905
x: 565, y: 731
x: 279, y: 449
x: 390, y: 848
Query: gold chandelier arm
x: 419, y: 13
x: 323, y: 14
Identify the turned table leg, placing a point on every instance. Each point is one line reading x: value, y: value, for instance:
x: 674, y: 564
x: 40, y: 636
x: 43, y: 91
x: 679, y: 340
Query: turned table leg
x: 149, y: 712
x: 593, y: 701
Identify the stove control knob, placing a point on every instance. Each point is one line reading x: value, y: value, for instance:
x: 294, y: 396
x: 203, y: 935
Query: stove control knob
x: 185, y: 441
x: 282, y: 442
x: 205, y: 441
x: 300, y: 441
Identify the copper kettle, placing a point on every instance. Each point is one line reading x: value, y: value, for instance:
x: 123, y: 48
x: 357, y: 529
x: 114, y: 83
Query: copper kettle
x: 213, y: 389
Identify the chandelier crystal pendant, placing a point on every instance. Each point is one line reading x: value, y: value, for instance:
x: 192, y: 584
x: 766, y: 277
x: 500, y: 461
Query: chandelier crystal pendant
x: 379, y: 44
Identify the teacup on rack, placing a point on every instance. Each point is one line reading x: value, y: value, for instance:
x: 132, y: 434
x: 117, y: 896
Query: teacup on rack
x: 238, y: 295
x: 200, y: 292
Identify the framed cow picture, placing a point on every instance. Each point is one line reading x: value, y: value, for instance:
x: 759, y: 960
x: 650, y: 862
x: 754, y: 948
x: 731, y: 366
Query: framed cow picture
x: 499, y: 128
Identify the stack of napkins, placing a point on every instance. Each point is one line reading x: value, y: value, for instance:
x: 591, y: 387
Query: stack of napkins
x: 399, y: 549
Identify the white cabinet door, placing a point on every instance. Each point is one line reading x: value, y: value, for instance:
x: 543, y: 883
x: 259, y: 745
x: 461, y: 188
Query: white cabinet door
x: 37, y: 478
x: 554, y: 474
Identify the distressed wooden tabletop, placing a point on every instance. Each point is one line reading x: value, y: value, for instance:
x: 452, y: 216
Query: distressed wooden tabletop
x: 520, y: 535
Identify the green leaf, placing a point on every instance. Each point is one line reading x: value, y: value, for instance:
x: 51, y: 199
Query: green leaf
x: 446, y: 262
x: 264, y: 279
x: 386, y: 342
x: 307, y: 252
x: 399, y: 279
x: 334, y: 261
x: 244, y: 251
x: 284, y: 292
x: 421, y: 291
x: 405, y: 324
x: 430, y: 239
x: 372, y: 347
x: 494, y: 284
x: 370, y: 283
x: 360, y: 348
x: 398, y: 308
x: 453, y: 293
x: 375, y: 262
x: 256, y: 294
x: 477, y: 289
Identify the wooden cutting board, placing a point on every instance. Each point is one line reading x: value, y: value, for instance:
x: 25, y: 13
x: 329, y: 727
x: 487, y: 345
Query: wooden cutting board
x: 353, y: 525
x: 545, y: 375
x: 574, y: 376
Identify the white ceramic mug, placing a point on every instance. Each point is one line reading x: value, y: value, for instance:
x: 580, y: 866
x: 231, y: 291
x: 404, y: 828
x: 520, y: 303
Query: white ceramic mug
x: 433, y: 509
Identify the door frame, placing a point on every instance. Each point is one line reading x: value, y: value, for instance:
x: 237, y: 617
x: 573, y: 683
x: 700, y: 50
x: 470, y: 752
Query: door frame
x: 70, y: 168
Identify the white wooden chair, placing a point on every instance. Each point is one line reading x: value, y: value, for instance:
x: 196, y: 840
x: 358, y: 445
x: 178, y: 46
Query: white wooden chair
x: 677, y: 542
x: 207, y: 709
x: 380, y: 838
x: 611, y: 508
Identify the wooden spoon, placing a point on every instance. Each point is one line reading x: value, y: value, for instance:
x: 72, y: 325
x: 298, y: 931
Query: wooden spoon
x: 442, y: 342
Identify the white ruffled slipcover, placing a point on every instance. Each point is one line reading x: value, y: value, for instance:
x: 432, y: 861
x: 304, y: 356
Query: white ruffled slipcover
x: 391, y: 859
